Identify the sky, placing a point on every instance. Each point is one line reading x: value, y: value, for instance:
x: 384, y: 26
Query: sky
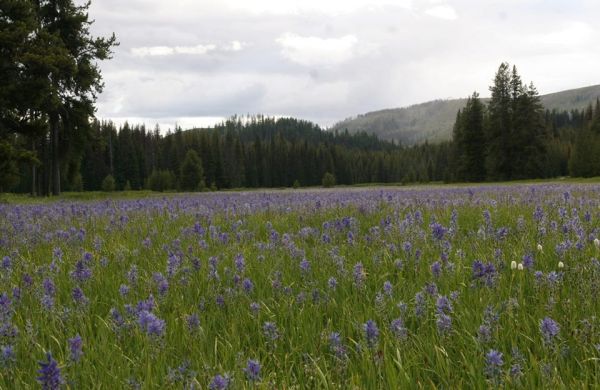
x: 196, y: 62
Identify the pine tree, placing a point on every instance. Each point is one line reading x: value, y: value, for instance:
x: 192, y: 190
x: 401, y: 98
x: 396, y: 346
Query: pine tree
x: 498, y: 134
x: 191, y: 172
x: 60, y: 77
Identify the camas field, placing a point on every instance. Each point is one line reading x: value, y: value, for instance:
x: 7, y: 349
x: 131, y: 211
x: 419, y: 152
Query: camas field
x: 379, y: 288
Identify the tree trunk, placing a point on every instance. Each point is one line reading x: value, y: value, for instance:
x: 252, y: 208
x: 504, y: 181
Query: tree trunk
x: 33, y: 172
x: 54, y: 130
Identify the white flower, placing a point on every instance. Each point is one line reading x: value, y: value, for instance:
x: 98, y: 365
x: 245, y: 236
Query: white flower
x: 597, y: 242
x: 520, y: 267
x: 513, y: 265
x: 540, y: 248
x: 561, y: 264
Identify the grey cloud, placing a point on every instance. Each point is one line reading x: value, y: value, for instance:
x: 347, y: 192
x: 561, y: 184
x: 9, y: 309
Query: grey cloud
x: 406, y: 56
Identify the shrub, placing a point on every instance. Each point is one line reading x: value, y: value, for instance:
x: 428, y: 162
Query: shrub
x: 191, y: 172
x: 161, y: 180
x: 108, y: 184
x: 328, y: 180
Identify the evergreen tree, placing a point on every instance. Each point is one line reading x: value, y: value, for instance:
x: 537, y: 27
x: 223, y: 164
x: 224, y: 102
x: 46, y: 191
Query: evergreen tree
x: 498, y: 134
x: 191, y: 174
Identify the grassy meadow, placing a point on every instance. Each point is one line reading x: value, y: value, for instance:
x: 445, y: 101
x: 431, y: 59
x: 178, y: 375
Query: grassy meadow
x: 366, y: 288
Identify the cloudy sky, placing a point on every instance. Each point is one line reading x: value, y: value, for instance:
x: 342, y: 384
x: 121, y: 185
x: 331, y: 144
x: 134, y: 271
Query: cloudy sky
x: 196, y: 61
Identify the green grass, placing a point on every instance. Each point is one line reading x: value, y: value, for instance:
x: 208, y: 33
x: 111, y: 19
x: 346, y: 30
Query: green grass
x: 309, y: 311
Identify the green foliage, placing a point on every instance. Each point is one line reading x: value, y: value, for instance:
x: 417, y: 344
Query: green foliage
x: 191, y: 172
x: 50, y: 79
x: 127, y: 186
x: 433, y: 121
x: 76, y: 183
x: 296, y: 184
x: 508, y: 140
x: 108, y: 184
x: 328, y: 180
x: 161, y: 180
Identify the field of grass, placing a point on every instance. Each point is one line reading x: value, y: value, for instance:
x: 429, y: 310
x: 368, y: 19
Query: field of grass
x: 367, y: 288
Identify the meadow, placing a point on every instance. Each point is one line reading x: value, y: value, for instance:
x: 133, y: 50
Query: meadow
x: 366, y: 288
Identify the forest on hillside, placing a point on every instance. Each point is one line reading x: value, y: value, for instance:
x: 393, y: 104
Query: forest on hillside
x: 261, y: 151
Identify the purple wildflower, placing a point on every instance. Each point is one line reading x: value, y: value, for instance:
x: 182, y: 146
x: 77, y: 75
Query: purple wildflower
x: 193, y: 322
x: 117, y: 317
x: 6, y: 263
x: 387, y: 288
x: 305, y: 265
x: 252, y: 370
x: 133, y: 275
x: 398, y: 329
x: 443, y: 305
x: 151, y: 324
x: 124, y: 289
x: 359, y: 275
x: 50, y: 377
x: 82, y: 272
x: 270, y: 331
x: 431, y: 288
x: 47, y: 302
x: 75, y: 346
x: 7, y: 356
x: 27, y: 281
x: 78, y: 296
x: 371, y: 333
x: 255, y: 307
x: 437, y: 231
x: 220, y: 382
x: 420, y: 304
x: 336, y: 345
x: 49, y: 287
x: 484, y: 334
x: 444, y: 323
x: 528, y: 261
x: 549, y: 329
x: 247, y: 285
x: 493, y: 361
x: 332, y: 283
x: 240, y: 263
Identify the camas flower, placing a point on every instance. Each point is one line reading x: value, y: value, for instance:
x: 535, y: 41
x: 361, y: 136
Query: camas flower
x: 549, y: 329
x: 252, y: 370
x: 437, y: 231
x: 220, y: 382
x: 50, y: 377
x: 398, y: 329
x: 493, y: 362
x: 359, y: 274
x: 270, y: 331
x: 444, y: 323
x: 75, y: 346
x: 371, y: 333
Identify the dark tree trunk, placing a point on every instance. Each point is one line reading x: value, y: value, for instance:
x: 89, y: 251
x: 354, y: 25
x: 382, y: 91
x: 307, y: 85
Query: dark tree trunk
x: 33, y: 172
x: 54, y: 140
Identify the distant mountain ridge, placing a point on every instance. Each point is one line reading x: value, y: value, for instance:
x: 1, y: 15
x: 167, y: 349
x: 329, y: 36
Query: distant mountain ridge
x: 433, y: 121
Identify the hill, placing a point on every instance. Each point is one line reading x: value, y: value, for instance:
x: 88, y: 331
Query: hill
x: 432, y: 121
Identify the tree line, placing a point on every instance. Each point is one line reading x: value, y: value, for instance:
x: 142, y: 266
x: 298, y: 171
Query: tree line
x: 246, y: 152
x: 513, y: 137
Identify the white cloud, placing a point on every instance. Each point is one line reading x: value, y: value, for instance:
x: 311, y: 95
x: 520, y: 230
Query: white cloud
x: 190, y: 50
x: 330, y: 7
x: 234, y: 46
x: 571, y: 35
x: 168, y: 50
x: 315, y: 51
x: 445, y: 12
